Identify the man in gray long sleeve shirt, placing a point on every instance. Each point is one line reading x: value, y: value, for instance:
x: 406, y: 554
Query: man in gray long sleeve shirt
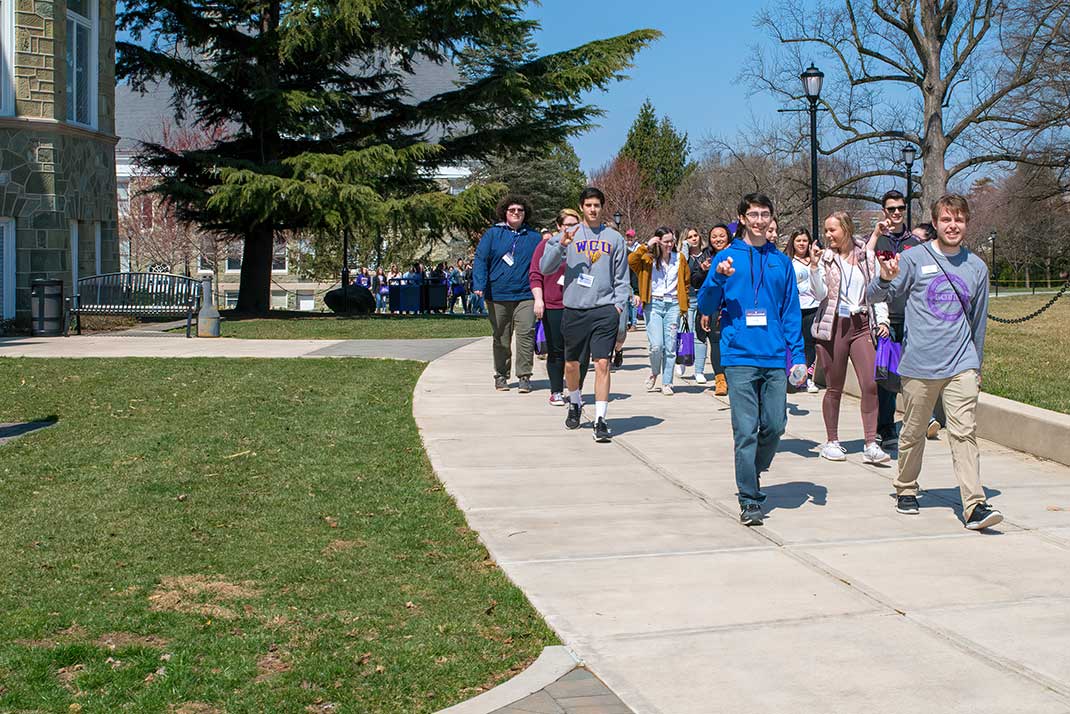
x: 945, y: 288
x: 596, y: 292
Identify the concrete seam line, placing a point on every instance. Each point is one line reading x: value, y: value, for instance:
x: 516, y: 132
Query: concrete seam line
x: 554, y: 662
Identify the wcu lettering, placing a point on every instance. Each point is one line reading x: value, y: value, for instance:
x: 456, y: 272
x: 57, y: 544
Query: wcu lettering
x: 593, y: 246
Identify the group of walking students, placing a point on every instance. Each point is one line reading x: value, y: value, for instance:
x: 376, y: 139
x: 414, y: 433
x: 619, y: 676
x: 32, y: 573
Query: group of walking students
x: 907, y: 307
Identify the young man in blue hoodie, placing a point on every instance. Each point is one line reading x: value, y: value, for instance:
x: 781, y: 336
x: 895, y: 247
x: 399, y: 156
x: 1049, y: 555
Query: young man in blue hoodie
x: 500, y: 277
x: 753, y: 289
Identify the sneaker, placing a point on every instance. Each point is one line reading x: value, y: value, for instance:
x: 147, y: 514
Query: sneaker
x: 525, y: 385
x: 833, y: 451
x: 811, y: 387
x: 907, y: 505
x: 601, y: 432
x: 651, y: 383
x: 618, y: 358
x: 934, y: 429
x: 557, y: 400
x: 666, y: 389
x: 700, y: 378
x: 887, y: 438
x: 720, y: 386
x: 874, y: 454
x: 501, y: 384
x: 572, y: 420
x: 983, y: 517
x: 680, y: 369
x: 751, y: 515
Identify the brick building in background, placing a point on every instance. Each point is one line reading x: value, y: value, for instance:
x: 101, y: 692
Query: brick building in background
x: 57, y: 139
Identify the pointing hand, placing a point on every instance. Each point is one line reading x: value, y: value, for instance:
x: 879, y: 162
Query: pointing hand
x: 725, y: 267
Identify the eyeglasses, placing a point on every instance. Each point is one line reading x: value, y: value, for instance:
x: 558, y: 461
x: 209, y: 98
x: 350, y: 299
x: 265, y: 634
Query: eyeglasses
x: 895, y: 209
x: 757, y: 215
x: 514, y: 210
x: 569, y: 225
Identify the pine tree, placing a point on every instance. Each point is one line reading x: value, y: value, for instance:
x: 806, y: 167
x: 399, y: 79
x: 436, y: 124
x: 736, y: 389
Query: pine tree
x: 551, y: 180
x: 659, y: 151
x: 325, y: 135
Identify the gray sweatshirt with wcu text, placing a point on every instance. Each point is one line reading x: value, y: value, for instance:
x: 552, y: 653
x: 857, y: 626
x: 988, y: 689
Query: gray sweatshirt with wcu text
x: 600, y: 253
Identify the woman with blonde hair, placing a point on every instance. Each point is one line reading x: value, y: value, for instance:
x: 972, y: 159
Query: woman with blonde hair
x: 846, y: 325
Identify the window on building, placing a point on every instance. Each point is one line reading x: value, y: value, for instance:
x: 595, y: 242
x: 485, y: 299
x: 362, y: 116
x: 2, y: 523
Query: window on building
x: 207, y: 259
x: 81, y: 61
x: 7, y: 57
x: 280, y: 300
x: 7, y: 268
x: 230, y: 299
x: 279, y: 258
x: 306, y: 300
x: 234, y: 251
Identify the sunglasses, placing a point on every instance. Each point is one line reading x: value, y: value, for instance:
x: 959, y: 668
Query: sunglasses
x: 514, y: 210
x: 895, y: 209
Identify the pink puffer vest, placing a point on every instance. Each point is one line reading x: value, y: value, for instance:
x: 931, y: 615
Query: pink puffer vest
x: 826, y: 310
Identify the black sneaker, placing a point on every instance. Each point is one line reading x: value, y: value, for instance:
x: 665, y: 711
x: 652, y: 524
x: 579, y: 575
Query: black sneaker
x: 572, y: 420
x: 618, y: 358
x: 525, y: 385
x: 983, y: 517
x: 751, y: 515
x: 907, y: 505
x: 501, y: 384
x: 601, y: 432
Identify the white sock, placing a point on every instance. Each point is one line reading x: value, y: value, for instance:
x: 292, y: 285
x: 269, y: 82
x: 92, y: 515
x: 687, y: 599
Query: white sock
x: 575, y: 397
x: 600, y: 409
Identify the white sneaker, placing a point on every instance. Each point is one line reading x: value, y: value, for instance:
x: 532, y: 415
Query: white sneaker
x: 873, y: 454
x: 811, y: 387
x: 680, y: 370
x: 834, y: 452
x: 666, y: 389
x: 651, y: 383
x: 700, y: 378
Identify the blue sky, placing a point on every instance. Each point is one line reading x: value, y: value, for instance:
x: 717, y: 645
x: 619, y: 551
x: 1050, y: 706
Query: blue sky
x: 690, y: 74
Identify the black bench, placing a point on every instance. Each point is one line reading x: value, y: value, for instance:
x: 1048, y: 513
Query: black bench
x: 137, y: 294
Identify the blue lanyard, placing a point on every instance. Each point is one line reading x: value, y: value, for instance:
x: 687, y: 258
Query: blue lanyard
x: 761, y: 273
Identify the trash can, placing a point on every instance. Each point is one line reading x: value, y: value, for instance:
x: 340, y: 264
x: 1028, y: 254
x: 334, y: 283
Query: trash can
x: 46, y: 308
x: 433, y: 295
x: 404, y: 295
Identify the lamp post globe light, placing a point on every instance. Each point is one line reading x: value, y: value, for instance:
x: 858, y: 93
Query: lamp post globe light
x: 617, y: 218
x: 812, y: 79
x: 909, y: 153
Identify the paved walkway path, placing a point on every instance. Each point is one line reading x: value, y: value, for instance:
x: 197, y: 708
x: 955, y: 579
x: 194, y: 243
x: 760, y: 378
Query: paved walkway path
x: 634, y: 554
x: 143, y: 345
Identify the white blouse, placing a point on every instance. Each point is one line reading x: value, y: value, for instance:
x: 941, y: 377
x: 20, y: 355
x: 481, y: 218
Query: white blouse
x: 663, y: 278
x: 807, y: 300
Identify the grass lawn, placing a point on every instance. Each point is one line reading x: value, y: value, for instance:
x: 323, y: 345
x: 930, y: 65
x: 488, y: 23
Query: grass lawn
x: 208, y: 536
x: 1029, y: 362
x: 350, y: 328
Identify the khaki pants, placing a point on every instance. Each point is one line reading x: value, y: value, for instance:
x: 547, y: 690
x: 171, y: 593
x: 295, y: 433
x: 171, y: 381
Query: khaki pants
x: 509, y: 318
x: 960, y: 402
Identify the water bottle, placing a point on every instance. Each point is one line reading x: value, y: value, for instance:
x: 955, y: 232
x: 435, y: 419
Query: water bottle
x: 798, y: 374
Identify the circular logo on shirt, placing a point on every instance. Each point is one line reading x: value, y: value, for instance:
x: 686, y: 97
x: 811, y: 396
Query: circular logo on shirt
x: 942, y: 300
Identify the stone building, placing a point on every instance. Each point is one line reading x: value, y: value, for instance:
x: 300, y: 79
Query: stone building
x: 57, y: 145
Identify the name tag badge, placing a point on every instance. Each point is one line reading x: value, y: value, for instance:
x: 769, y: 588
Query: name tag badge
x: 508, y: 259
x: 561, y: 280
x: 756, y: 318
x: 585, y: 280
x: 930, y: 269
x: 843, y: 311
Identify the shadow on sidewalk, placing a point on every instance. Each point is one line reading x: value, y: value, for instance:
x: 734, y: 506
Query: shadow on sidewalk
x: 794, y: 410
x: 633, y: 424
x: 794, y: 494
x: 802, y: 447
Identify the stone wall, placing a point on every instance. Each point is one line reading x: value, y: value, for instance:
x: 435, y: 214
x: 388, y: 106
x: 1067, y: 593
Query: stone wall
x: 38, y: 89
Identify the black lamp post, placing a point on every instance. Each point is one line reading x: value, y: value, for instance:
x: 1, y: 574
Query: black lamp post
x: 909, y: 153
x: 617, y: 218
x: 812, y: 79
x: 992, y: 271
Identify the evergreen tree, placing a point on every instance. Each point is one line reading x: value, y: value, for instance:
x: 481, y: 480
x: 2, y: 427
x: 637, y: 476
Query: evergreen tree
x: 659, y: 150
x: 326, y: 135
x: 551, y: 180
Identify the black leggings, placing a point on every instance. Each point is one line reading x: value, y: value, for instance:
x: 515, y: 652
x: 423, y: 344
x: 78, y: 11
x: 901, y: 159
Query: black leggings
x: 808, y: 316
x: 555, y: 351
x: 713, y: 338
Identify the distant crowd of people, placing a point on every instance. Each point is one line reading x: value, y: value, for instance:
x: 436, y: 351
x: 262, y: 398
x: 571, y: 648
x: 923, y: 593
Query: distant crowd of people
x: 766, y: 319
x: 457, y: 279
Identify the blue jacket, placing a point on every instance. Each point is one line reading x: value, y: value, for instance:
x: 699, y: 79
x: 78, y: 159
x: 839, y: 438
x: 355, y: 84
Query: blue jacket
x: 764, y: 280
x: 497, y: 279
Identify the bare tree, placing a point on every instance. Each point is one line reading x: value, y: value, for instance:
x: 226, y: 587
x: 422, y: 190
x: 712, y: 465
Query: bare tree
x: 957, y: 80
x: 626, y: 191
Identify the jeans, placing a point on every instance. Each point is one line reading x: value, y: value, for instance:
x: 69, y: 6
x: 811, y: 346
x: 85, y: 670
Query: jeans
x: 632, y: 317
x: 662, y: 322
x: 700, y: 344
x: 381, y: 302
x: 759, y: 415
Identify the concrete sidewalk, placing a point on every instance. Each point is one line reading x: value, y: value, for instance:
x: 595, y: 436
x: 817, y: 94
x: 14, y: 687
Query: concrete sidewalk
x: 634, y: 554
x: 141, y: 345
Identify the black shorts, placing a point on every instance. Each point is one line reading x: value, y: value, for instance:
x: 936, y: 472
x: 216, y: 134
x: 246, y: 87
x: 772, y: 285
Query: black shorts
x: 593, y: 330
